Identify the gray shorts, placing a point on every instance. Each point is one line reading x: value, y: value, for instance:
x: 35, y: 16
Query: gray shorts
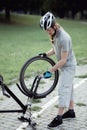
x: 65, y: 85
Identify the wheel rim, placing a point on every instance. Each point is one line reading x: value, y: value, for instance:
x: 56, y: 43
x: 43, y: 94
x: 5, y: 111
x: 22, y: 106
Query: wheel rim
x: 29, y: 71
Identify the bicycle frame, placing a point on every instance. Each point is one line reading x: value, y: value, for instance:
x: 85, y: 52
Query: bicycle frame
x: 24, y: 107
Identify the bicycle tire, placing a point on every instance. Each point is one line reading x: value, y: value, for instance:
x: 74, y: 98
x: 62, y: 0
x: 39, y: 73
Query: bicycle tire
x: 22, y: 73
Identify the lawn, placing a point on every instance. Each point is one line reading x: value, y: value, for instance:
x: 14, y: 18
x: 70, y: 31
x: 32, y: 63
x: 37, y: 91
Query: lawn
x: 23, y: 39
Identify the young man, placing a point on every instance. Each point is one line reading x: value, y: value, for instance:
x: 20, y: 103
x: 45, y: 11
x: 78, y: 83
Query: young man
x: 62, y: 48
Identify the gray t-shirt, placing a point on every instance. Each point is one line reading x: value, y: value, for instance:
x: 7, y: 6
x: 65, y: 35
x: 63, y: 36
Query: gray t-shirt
x: 63, y: 42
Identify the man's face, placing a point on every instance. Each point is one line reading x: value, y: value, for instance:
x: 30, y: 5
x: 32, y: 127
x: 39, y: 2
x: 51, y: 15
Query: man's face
x: 50, y: 31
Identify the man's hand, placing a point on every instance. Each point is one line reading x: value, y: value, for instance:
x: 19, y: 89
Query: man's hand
x: 47, y: 74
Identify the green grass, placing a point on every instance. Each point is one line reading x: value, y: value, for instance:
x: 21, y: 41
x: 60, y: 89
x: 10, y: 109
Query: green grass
x: 80, y: 104
x: 36, y: 108
x: 22, y: 39
x: 78, y: 32
x: 82, y: 76
x: 36, y: 101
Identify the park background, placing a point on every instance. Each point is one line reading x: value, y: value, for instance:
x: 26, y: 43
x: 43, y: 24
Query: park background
x: 22, y: 38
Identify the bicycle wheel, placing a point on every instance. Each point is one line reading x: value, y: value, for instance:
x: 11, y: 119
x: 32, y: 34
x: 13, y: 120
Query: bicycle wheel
x: 34, y: 67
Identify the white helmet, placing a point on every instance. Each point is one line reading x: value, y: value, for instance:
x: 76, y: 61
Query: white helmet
x: 47, y: 21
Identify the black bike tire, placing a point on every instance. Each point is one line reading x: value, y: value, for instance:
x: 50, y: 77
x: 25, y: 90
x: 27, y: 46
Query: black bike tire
x: 23, y: 69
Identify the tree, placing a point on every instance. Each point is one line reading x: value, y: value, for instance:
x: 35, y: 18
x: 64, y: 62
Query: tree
x: 20, y: 5
x: 11, y: 5
x: 60, y: 8
x: 56, y: 6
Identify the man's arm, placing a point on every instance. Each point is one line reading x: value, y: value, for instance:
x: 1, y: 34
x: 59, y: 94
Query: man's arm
x: 50, y: 52
x: 61, y: 62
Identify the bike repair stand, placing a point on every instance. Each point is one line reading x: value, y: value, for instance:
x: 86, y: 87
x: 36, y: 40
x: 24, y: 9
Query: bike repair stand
x: 26, y: 109
x: 27, y: 116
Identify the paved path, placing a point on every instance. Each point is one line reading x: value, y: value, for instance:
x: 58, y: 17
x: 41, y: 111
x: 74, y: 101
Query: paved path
x: 10, y: 121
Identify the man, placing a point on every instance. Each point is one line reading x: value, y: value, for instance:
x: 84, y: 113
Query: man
x: 62, y: 48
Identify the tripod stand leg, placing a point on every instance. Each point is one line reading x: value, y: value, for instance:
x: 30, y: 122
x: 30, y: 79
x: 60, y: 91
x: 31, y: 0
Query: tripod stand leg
x: 27, y: 116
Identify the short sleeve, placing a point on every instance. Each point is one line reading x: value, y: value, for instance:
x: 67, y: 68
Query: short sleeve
x: 65, y: 45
